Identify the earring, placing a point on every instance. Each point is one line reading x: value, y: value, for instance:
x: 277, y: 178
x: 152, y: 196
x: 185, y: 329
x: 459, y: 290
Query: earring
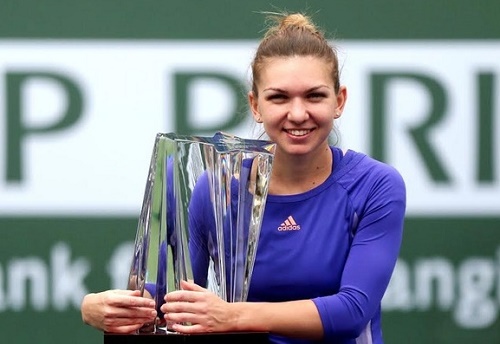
x: 259, y: 120
x: 337, y: 114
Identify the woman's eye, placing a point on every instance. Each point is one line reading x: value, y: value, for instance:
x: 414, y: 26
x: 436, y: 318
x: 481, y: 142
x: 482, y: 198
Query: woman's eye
x: 276, y: 97
x: 316, y: 95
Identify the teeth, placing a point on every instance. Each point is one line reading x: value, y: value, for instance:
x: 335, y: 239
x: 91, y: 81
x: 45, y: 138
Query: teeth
x: 298, y: 132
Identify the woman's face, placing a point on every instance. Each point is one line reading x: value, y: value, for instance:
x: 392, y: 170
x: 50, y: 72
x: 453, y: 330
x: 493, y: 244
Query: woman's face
x: 297, y: 103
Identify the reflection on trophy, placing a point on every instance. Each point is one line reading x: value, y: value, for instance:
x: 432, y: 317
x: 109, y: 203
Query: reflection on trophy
x: 201, y: 216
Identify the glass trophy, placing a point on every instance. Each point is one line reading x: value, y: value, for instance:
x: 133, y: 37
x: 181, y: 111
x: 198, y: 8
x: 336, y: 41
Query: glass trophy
x: 201, y: 217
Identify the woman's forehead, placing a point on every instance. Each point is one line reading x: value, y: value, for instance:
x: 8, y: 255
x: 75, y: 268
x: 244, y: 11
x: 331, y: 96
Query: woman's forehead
x: 278, y: 71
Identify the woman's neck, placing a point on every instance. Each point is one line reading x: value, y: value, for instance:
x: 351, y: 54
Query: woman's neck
x: 294, y: 174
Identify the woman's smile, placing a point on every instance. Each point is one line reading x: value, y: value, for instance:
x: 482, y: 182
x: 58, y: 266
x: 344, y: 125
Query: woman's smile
x: 298, y: 132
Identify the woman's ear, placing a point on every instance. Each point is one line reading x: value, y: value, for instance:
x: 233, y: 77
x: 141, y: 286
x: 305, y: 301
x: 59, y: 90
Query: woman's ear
x: 253, y: 103
x: 341, y: 101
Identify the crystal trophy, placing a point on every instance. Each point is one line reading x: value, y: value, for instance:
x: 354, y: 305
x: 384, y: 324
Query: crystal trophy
x: 201, y: 217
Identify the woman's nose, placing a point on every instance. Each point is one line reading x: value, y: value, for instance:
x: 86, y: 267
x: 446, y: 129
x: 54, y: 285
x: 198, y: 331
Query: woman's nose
x: 298, y: 111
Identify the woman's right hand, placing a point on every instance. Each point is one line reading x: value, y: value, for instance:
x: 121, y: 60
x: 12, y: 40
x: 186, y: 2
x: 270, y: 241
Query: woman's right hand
x: 118, y: 311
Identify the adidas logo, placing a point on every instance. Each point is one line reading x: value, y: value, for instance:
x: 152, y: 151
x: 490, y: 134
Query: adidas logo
x: 289, y: 225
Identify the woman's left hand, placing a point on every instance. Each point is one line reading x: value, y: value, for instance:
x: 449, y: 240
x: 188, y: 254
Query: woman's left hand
x: 196, y: 310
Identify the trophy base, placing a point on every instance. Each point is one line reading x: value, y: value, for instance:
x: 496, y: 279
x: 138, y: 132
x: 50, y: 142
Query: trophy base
x: 175, y: 338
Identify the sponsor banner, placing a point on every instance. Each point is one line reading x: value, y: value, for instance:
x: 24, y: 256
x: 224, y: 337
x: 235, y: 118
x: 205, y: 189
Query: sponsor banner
x: 439, y: 293
x: 78, y: 119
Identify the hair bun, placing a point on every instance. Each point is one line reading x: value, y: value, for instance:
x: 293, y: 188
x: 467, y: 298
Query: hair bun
x: 294, y: 20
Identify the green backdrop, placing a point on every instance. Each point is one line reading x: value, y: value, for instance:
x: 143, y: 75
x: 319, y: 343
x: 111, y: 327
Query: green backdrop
x: 465, y: 250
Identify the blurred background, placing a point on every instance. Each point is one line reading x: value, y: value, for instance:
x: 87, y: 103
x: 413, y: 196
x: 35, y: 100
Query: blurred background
x: 86, y: 85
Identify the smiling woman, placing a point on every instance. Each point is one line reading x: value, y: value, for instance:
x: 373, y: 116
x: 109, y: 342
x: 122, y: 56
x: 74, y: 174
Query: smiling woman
x: 296, y: 100
x: 332, y: 224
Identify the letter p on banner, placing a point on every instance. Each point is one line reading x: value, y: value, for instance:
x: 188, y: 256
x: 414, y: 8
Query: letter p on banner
x: 18, y: 129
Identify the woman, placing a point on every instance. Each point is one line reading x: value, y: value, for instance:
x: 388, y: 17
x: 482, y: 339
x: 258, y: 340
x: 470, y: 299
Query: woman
x: 323, y: 278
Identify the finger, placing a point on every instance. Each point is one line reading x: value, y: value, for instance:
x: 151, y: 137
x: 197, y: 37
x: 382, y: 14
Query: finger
x: 183, y: 318
x: 127, y: 300
x: 120, y: 322
x: 185, y: 285
x: 180, y: 307
x: 127, y: 292
x: 124, y: 329
x: 182, y: 296
x: 189, y: 329
x: 129, y: 313
x: 136, y: 301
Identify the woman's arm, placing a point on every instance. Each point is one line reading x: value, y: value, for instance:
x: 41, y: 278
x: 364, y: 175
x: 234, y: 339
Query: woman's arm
x: 208, y: 313
x: 371, y: 260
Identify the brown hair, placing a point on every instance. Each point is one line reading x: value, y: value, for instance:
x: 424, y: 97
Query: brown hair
x: 294, y: 35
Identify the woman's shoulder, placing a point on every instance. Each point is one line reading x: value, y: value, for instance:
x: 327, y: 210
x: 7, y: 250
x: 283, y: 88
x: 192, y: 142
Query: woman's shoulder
x: 370, y: 182
x: 359, y: 166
